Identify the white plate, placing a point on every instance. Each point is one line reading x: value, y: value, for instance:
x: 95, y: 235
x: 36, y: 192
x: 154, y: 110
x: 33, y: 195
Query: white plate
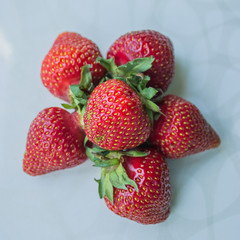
x: 65, y: 204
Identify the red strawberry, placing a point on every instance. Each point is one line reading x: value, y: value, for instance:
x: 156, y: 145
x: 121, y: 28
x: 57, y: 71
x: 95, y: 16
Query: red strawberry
x: 151, y: 204
x: 115, y: 118
x: 181, y: 130
x: 145, y: 43
x: 54, y: 142
x: 62, y: 65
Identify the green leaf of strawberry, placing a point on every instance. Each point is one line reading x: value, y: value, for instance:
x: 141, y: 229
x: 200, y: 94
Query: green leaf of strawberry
x: 149, y: 92
x: 67, y: 106
x: 76, y: 91
x: 138, y: 65
x: 108, y: 188
x: 99, y: 160
x: 133, y: 67
x: 108, y: 64
x: 135, y: 153
x: 79, y: 93
x: 86, y: 78
x: 117, y: 178
x: 113, y: 173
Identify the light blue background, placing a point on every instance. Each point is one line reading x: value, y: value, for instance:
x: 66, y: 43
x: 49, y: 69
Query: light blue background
x: 64, y: 205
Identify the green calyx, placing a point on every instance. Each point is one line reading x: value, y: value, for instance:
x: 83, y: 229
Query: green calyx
x: 113, y: 173
x: 132, y: 74
x: 136, y: 66
x: 79, y: 93
x: 117, y: 178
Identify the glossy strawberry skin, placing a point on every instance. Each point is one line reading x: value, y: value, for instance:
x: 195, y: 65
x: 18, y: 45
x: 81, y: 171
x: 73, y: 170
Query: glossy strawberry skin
x: 115, y: 118
x: 62, y: 65
x: 182, y: 130
x: 145, y: 43
x: 54, y: 142
x: 151, y: 204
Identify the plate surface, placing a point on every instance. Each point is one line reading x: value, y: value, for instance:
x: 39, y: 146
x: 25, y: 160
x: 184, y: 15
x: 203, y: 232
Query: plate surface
x: 64, y: 205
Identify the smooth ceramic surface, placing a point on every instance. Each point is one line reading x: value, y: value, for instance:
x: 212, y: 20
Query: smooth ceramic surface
x: 64, y: 205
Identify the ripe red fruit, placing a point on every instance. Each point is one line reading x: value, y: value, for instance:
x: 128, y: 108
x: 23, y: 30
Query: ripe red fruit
x: 62, y: 65
x: 54, y: 142
x: 151, y: 204
x: 115, y: 118
x: 181, y: 130
x: 145, y: 43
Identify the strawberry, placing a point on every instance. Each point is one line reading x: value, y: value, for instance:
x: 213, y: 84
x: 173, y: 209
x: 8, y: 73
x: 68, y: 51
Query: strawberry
x: 115, y: 118
x: 145, y: 43
x: 119, y: 111
x: 149, y: 201
x: 182, y: 130
x: 62, y: 65
x: 54, y: 142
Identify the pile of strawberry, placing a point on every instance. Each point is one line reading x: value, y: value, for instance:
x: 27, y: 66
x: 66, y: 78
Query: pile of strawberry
x: 121, y: 120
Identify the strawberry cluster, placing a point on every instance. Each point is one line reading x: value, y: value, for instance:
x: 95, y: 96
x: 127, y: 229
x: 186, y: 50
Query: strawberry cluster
x: 120, y: 119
